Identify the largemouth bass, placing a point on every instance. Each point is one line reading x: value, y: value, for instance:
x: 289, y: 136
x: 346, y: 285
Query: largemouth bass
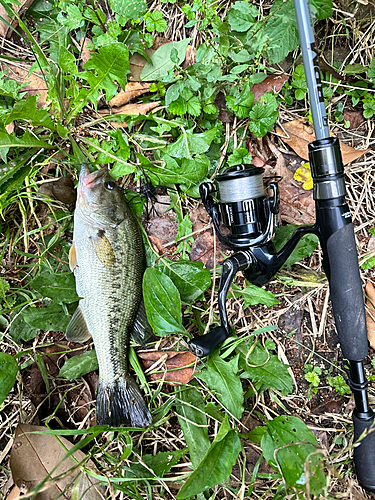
x: 107, y: 260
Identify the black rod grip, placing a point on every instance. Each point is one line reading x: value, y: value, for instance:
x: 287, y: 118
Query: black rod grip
x: 364, y: 456
x: 346, y: 293
x: 202, y: 346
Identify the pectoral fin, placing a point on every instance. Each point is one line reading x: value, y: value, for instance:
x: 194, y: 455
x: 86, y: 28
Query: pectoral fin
x: 103, y: 249
x: 72, y: 257
x: 77, y: 330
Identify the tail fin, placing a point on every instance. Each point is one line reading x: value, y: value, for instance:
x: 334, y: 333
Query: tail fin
x: 121, y: 403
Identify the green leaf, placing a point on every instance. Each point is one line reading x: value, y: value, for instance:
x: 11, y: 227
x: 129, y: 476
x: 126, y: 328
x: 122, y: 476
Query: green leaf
x: 221, y: 377
x: 194, y: 106
x: 77, y: 366
x: 67, y: 62
x: 70, y: 16
x: 10, y: 88
x: 49, y: 318
x: 19, y: 329
x: 371, y: 69
x: 260, y: 365
x: 217, y: 464
x: 26, y: 110
x: 161, y: 60
x: 110, y: 64
x: 287, y: 439
x: 189, y: 408
x: 254, y: 295
x: 304, y: 248
x: 321, y: 8
x: 59, y: 287
x: 191, y: 278
x: 240, y: 103
x: 27, y: 140
x: 281, y: 26
x: 155, y: 22
x: 8, y: 374
x: 339, y: 384
x: 129, y: 9
x: 162, y: 302
x: 354, y: 69
x: 263, y: 115
x: 240, y: 156
x: 189, y: 144
x: 185, y: 227
x: 242, y: 16
x: 240, y: 57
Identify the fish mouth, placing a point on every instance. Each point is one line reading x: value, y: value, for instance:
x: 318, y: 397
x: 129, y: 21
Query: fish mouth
x: 88, y: 179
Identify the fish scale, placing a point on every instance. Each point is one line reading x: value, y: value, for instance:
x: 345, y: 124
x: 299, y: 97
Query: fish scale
x: 107, y: 259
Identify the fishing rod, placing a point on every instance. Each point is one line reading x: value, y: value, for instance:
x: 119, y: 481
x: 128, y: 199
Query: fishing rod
x: 250, y: 215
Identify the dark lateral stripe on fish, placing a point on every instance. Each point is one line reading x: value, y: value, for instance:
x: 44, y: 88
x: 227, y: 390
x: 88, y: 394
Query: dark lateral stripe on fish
x: 121, y: 404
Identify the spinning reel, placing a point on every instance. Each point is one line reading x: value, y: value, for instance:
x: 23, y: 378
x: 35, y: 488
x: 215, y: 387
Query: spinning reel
x: 250, y: 219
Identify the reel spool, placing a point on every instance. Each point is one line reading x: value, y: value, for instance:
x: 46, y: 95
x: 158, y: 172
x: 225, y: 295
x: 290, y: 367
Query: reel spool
x: 242, y: 206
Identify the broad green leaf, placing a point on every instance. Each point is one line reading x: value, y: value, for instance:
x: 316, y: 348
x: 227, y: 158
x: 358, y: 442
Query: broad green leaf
x: 193, y: 421
x: 240, y: 57
x: 129, y: 9
x: 49, y: 318
x: 217, y: 464
x: 262, y: 366
x: 286, y: 443
x: 28, y: 111
x: 253, y: 295
x: 59, y: 287
x: 263, y: 115
x: 189, y: 172
x: 108, y: 65
x: 79, y: 365
x: 54, y: 33
x: 161, y: 61
x: 304, y: 248
x: 282, y: 25
x: 155, y: 22
x: 240, y: 156
x: 321, y: 9
x: 8, y: 374
x: 19, y: 329
x: 27, y: 140
x: 221, y: 377
x: 70, y: 16
x: 162, y: 302
x: 159, y: 464
x: 191, y: 278
x: 67, y: 62
x: 354, y: 69
x: 242, y: 16
x: 189, y: 144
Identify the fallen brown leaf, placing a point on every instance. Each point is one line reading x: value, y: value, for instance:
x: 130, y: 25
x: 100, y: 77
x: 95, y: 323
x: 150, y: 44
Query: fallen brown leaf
x: 172, y: 366
x: 131, y: 109
x: 301, y: 133
x: 203, y: 250
x: 61, y: 189
x: 331, y: 406
x: 163, y: 228
x: 370, y: 313
x: 272, y: 82
x: 35, y: 86
x: 34, y: 456
x: 356, y: 120
x: 85, y: 52
x: 132, y: 90
x: 5, y: 31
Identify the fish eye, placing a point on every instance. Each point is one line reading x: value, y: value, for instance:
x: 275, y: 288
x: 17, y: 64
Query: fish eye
x: 110, y: 185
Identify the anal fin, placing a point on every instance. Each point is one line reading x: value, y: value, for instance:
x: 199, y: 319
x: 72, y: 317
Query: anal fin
x: 141, y: 331
x: 77, y: 330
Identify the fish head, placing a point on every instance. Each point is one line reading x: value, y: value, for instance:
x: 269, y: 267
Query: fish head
x: 99, y: 198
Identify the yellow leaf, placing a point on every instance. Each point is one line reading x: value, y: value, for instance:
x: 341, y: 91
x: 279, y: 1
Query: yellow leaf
x: 303, y: 174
